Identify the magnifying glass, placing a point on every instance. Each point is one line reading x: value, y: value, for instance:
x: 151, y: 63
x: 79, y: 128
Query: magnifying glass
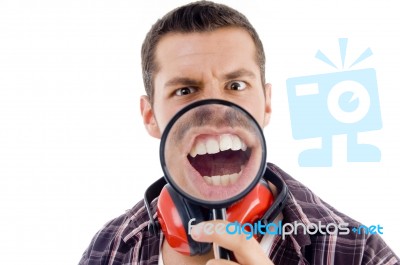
x: 213, y: 153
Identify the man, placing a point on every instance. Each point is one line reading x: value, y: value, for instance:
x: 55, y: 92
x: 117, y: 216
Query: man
x: 209, y: 51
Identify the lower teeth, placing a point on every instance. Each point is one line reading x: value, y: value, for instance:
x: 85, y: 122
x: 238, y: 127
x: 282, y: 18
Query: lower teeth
x: 224, y: 180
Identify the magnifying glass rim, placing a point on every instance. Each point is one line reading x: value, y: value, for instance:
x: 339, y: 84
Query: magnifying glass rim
x: 219, y: 203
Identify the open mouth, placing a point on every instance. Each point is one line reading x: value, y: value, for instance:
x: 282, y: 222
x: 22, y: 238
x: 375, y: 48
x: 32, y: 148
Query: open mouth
x: 219, y: 159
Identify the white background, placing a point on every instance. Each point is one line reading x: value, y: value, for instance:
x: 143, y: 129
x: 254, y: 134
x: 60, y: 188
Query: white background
x: 74, y: 153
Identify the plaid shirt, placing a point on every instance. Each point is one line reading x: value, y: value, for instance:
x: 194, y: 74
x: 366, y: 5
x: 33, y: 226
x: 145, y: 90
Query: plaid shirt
x: 126, y: 239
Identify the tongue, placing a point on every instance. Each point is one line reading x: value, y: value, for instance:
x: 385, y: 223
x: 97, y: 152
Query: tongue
x: 223, y: 163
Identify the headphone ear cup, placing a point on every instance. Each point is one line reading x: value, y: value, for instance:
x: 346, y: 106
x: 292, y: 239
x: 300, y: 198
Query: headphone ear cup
x: 174, y: 215
x: 253, y: 206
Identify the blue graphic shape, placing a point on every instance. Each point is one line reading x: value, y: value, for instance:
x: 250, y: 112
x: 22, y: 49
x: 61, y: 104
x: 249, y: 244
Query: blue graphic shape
x: 347, y: 102
x: 321, y: 56
x: 311, y: 117
x: 343, y: 49
x: 336, y: 103
x: 367, y: 53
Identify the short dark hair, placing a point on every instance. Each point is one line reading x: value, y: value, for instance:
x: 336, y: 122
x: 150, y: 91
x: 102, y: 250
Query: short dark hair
x: 201, y: 16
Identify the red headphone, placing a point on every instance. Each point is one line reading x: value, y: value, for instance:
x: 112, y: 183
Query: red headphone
x: 175, y: 212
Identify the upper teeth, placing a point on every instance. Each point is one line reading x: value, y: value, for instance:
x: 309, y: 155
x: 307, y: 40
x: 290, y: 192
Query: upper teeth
x: 215, y: 144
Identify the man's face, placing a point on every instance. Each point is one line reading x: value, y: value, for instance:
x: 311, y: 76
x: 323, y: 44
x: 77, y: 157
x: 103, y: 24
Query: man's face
x: 210, y: 65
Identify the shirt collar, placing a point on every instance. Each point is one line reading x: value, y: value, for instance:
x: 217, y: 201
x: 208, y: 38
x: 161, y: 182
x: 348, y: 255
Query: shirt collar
x: 137, y: 222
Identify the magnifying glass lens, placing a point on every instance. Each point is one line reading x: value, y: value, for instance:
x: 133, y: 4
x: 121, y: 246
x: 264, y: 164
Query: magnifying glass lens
x: 213, y: 152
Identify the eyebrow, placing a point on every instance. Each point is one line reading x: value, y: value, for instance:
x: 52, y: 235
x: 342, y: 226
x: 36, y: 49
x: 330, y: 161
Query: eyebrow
x: 185, y: 81
x: 239, y: 73
x: 182, y: 81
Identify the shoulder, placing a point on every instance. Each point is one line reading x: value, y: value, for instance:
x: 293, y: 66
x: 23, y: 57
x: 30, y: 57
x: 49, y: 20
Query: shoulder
x: 118, y: 237
x: 339, y: 237
x: 305, y: 205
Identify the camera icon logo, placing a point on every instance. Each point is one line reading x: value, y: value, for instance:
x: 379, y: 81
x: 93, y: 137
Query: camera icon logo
x: 324, y: 105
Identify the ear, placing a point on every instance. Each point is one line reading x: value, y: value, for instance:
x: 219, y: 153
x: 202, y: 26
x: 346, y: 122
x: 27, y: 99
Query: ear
x: 267, y: 115
x: 148, y: 117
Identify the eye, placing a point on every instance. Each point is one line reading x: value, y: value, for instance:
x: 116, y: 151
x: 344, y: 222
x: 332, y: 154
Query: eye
x: 237, y: 85
x: 185, y: 91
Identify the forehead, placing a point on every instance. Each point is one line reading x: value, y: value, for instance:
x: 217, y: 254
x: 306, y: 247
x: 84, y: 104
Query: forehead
x: 192, y: 51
